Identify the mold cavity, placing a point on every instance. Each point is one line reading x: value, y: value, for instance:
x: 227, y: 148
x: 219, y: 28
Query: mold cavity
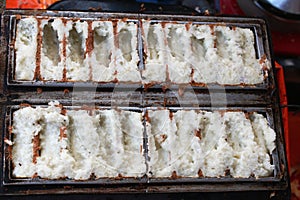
x: 102, y: 47
x: 152, y: 42
x: 177, y: 50
x: 75, y: 45
x: 125, y: 43
x: 197, y: 46
x: 50, y: 45
x: 221, y: 44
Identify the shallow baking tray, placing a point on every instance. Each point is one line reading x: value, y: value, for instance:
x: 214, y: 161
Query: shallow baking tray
x: 276, y: 182
x: 258, y: 27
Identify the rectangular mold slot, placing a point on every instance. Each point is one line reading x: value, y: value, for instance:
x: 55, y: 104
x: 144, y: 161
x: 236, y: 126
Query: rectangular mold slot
x: 155, y: 56
x: 25, y: 47
x: 102, y: 53
x: 77, y: 68
x: 52, y: 60
x: 178, y: 52
x: 126, y: 55
x: 100, y: 153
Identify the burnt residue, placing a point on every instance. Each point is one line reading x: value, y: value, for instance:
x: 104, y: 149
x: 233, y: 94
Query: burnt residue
x: 63, y: 111
x: 36, y: 148
x: 147, y: 118
x: 64, y: 79
x: 35, y: 176
x: 166, y: 87
x: 89, y: 43
x: 174, y: 175
x: 119, y: 177
x: 192, y: 74
x: 115, y: 32
x: 212, y: 31
x: 66, y: 91
x: 263, y: 59
x: 62, y: 132
x: 201, y: 85
x: 227, y: 172
x: 89, y: 109
x: 200, y: 173
x: 171, y: 115
x: 188, y: 26
x: 148, y: 85
x: 24, y: 105
x: 198, y: 134
x: 163, y: 138
x: 37, y: 72
x: 64, y: 53
x: 90, y: 40
x: 115, y: 80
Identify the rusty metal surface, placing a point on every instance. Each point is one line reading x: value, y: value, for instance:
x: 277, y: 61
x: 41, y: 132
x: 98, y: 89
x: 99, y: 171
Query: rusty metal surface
x: 262, y: 98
